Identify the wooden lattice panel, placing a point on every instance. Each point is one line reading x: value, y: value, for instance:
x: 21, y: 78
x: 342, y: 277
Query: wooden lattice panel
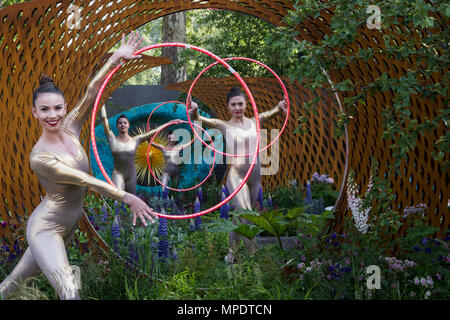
x: 35, y: 40
x: 300, y: 155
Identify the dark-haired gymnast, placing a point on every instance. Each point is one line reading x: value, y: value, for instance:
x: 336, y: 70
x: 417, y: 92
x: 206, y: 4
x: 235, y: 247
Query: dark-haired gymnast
x: 240, y: 136
x: 62, y: 166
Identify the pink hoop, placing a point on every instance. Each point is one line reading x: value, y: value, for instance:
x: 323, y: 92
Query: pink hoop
x: 241, y: 81
x: 148, y: 158
x: 246, y: 59
x: 148, y: 123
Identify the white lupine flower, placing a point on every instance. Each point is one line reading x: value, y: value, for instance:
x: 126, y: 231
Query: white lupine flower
x: 360, y: 215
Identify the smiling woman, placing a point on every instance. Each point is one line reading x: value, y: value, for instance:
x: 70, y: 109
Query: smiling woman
x: 62, y: 166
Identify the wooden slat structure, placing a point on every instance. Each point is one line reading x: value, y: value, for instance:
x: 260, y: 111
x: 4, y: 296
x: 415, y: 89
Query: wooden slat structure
x: 36, y: 39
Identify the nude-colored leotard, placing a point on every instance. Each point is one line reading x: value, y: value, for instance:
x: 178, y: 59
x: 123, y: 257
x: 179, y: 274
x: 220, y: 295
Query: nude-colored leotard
x: 124, y: 172
x: 54, y: 221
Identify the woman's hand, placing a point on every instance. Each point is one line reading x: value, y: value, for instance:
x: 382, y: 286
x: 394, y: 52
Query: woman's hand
x: 103, y: 112
x: 193, y: 109
x: 282, y: 105
x: 139, y: 209
x: 127, y: 48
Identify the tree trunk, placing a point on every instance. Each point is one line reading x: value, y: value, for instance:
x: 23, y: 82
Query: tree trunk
x: 173, y: 30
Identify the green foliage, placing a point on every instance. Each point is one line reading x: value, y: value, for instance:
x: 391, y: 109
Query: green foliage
x: 233, y: 34
x: 4, y: 3
x: 286, y: 197
x: 273, y: 222
x: 406, y: 31
x: 324, y: 191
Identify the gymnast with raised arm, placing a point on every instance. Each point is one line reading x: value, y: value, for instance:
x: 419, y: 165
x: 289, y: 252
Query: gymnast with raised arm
x: 62, y: 166
x: 239, y: 131
x: 123, y: 149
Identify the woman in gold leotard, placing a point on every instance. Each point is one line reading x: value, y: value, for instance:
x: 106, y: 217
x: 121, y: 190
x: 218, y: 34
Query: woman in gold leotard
x: 123, y: 148
x: 62, y: 167
x: 239, y: 131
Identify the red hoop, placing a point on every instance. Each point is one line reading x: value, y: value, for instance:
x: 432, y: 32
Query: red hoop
x: 241, y: 81
x: 178, y: 121
x: 246, y: 59
x: 149, y: 117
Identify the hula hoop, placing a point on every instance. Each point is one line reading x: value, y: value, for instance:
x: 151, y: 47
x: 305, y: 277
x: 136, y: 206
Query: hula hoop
x: 150, y: 116
x: 241, y: 81
x: 261, y: 64
x: 148, y: 158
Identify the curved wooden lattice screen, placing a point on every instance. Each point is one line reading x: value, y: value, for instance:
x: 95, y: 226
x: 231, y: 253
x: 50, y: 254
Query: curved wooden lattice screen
x: 35, y: 39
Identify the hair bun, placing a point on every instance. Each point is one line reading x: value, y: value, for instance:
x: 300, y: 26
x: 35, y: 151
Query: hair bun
x: 45, y: 79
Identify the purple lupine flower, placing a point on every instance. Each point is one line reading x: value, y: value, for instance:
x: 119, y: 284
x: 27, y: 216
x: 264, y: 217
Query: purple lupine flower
x: 165, y: 199
x: 198, y: 219
x: 115, y: 233
x: 200, y: 194
x: 260, y: 198
x: 104, y: 217
x: 269, y: 201
x: 225, y: 208
x: 163, y: 244
x: 308, y: 199
x: 225, y: 190
x: 133, y: 251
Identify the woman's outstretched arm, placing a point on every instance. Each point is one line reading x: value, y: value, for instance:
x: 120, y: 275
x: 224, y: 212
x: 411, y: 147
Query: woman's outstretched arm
x: 108, y: 133
x: 266, y: 116
x: 50, y: 168
x: 211, y: 123
x: 147, y: 135
x: 76, y: 118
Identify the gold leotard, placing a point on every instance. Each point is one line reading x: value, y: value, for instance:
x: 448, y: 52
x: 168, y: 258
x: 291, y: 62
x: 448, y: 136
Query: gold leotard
x: 124, y: 172
x: 54, y: 221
